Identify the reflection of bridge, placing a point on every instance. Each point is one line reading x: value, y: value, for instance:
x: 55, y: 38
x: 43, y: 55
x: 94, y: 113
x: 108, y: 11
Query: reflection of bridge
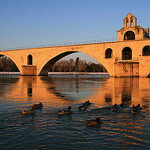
x: 118, y: 57
x: 108, y: 92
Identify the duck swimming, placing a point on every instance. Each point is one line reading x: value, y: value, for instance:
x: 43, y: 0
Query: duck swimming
x: 65, y: 112
x: 95, y: 122
x: 115, y: 108
x: 28, y: 112
x: 87, y: 103
x: 37, y: 106
x: 83, y: 107
x: 123, y: 105
x: 135, y: 109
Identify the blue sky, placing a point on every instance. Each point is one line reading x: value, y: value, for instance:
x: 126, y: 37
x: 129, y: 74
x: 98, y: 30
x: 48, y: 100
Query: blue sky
x: 43, y: 22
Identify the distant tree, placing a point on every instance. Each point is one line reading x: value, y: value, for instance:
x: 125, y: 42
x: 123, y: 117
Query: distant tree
x: 53, y: 67
x: 65, y: 65
x: 82, y: 66
x: 4, y: 63
x: 77, y: 64
x: 93, y: 67
x: 71, y: 64
x: 59, y: 66
x: 7, y: 64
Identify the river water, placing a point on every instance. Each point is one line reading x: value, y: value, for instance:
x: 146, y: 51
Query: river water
x: 120, y: 130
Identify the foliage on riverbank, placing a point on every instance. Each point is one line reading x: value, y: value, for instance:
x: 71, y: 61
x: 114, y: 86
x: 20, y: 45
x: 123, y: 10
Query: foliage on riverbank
x: 77, y: 66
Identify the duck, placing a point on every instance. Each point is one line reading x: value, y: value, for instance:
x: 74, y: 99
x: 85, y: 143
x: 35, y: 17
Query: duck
x: 115, y: 108
x: 87, y: 103
x: 65, y: 112
x: 123, y: 105
x: 135, y: 109
x: 95, y: 122
x: 83, y: 107
x: 37, y: 106
x: 28, y: 112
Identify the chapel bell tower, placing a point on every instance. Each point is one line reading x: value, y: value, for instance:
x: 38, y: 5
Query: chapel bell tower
x: 131, y: 31
x: 129, y: 21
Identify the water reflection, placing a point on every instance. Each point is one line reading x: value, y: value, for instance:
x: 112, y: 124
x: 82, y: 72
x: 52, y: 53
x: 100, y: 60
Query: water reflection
x: 29, y: 91
x: 108, y: 98
x: 62, y: 90
x: 121, y: 130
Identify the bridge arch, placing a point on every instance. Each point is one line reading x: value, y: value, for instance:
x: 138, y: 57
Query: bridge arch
x: 146, y: 51
x: 129, y: 35
x: 8, y: 62
x: 108, y: 53
x: 127, y: 53
x: 48, y: 65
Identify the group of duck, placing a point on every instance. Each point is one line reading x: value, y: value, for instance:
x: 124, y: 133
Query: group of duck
x: 96, y: 122
x: 116, y: 108
x: 85, y: 105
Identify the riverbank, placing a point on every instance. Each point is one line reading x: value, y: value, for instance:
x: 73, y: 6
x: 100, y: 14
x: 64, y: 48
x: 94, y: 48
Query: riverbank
x: 60, y: 73
x: 10, y: 73
x: 78, y: 73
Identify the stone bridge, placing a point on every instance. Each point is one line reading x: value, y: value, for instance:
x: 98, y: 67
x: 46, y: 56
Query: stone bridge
x: 128, y: 56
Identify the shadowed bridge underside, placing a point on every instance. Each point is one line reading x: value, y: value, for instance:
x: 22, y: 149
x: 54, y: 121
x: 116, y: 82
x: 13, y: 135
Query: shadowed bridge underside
x: 49, y: 64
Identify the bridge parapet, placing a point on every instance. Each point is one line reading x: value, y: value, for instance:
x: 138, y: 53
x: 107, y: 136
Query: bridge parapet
x: 63, y: 44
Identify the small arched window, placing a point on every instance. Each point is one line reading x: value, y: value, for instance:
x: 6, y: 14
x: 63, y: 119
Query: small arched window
x: 146, y: 51
x: 127, y: 53
x: 30, y: 60
x: 108, y: 53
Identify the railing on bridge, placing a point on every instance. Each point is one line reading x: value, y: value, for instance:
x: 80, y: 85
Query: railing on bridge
x: 63, y: 44
x: 133, y: 59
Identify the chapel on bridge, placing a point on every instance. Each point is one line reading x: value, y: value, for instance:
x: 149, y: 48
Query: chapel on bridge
x: 132, y: 31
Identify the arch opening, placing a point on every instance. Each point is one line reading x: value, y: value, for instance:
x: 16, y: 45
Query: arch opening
x: 108, y: 53
x: 129, y: 35
x: 44, y: 71
x: 146, y: 51
x: 7, y: 65
x: 127, y: 53
x: 30, y: 60
x: 71, y: 63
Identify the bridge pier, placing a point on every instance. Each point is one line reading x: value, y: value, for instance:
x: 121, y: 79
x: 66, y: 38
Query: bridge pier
x: 126, y: 69
x: 29, y: 70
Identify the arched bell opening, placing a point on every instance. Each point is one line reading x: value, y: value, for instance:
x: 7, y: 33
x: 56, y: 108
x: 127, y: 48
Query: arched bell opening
x: 129, y: 35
